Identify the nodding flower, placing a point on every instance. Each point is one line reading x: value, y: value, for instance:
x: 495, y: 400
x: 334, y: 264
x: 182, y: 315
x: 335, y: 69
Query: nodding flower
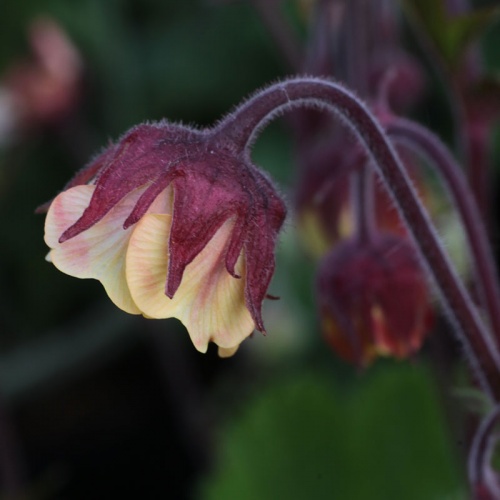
x: 174, y: 223
x: 373, y: 299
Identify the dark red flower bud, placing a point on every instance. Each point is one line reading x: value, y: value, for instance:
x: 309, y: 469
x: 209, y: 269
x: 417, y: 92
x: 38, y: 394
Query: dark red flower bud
x: 373, y: 299
x: 323, y: 201
x: 401, y: 74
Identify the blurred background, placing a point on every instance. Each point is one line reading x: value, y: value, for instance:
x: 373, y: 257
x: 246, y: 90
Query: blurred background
x: 98, y: 404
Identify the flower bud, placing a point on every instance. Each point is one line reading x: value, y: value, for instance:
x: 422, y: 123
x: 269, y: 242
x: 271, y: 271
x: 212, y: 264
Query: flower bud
x: 401, y: 74
x: 323, y: 204
x: 174, y: 223
x: 373, y: 299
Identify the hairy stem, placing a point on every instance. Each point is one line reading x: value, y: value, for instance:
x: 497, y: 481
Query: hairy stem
x: 478, y: 137
x: 240, y: 129
x: 362, y: 198
x: 357, y: 44
x: 323, y: 39
x: 426, y: 143
x: 481, y: 476
x: 357, y: 62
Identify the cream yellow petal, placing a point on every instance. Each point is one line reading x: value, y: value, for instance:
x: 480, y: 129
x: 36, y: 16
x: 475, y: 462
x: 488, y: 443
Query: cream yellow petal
x: 227, y: 352
x: 209, y: 301
x: 99, y: 252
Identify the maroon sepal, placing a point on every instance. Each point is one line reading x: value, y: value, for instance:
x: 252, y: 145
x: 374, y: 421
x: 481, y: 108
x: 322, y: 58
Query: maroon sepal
x: 211, y: 184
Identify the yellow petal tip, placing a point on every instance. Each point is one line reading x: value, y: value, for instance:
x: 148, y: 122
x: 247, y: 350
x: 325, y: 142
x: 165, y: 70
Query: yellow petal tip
x: 227, y: 352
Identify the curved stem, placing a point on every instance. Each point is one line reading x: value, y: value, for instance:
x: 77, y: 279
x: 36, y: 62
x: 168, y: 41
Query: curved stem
x: 449, y: 87
x: 479, y: 140
x: 426, y: 143
x: 323, y: 39
x: 357, y: 44
x: 357, y: 55
x: 362, y: 194
x: 241, y: 127
x: 481, y: 476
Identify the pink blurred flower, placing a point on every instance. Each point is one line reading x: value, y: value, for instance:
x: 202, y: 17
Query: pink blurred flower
x: 46, y: 88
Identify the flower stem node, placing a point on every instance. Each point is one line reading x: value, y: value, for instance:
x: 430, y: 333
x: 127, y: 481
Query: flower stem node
x: 373, y: 299
x: 174, y: 222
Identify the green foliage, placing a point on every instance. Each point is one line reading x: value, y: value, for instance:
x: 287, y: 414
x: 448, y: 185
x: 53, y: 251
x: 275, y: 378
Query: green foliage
x: 450, y: 36
x: 303, y: 438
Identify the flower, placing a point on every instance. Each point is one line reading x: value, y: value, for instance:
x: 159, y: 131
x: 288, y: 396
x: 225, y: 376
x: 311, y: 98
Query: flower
x: 322, y: 200
x: 373, y: 299
x: 173, y: 223
x: 46, y: 88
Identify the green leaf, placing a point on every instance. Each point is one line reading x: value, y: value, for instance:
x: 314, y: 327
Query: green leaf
x: 303, y: 438
x: 464, y: 30
x: 450, y: 36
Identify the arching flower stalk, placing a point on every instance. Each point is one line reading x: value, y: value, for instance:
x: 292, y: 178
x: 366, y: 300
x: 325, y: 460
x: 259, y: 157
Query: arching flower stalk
x: 240, y: 129
x: 484, y: 480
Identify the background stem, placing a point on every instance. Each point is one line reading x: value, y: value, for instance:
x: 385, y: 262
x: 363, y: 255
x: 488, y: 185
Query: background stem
x: 424, y: 142
x: 362, y: 198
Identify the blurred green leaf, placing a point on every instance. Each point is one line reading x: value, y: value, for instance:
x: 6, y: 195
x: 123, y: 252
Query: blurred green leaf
x: 450, y: 36
x: 303, y: 438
